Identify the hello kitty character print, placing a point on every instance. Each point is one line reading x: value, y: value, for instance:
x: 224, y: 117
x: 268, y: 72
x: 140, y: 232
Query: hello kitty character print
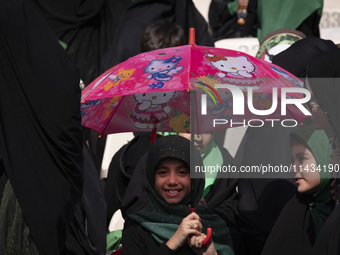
x: 151, y: 109
x: 162, y: 70
x: 235, y: 70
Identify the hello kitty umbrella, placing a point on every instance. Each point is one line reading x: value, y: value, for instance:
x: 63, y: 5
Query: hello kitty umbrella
x: 150, y: 91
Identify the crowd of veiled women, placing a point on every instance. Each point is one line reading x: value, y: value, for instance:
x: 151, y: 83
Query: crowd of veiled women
x: 52, y: 200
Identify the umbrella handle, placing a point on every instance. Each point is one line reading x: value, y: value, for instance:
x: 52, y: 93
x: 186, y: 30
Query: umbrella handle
x: 208, y: 237
x: 209, y: 231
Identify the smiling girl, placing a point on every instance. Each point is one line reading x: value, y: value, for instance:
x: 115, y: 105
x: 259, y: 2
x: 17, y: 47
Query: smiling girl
x: 166, y: 226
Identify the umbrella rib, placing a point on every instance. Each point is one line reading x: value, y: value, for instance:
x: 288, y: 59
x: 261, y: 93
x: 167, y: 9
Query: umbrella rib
x: 111, y: 114
x: 189, y: 68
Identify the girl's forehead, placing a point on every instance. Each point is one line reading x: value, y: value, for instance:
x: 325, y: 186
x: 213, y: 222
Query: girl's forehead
x: 170, y: 161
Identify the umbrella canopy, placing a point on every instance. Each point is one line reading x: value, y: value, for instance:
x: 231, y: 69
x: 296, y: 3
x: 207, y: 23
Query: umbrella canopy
x: 151, y: 91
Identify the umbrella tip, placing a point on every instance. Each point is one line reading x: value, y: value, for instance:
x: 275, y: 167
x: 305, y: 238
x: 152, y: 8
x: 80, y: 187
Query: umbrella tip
x: 191, y: 36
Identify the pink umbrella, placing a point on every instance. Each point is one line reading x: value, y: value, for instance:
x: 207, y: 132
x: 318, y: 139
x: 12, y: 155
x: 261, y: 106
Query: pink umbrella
x: 150, y: 91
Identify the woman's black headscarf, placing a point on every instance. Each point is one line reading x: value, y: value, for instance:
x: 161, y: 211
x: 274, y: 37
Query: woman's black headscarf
x: 40, y: 132
x: 295, y: 58
x: 162, y: 219
x: 323, y: 74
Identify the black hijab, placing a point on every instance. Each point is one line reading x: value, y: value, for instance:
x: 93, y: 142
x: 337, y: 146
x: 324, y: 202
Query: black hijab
x: 162, y: 219
x: 295, y: 58
x: 86, y: 26
x: 40, y: 132
x: 327, y: 242
x: 323, y: 74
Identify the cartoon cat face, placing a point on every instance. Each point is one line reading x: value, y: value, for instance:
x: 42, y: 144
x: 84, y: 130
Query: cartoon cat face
x: 157, y: 66
x: 125, y: 74
x: 234, y: 65
x: 156, y: 97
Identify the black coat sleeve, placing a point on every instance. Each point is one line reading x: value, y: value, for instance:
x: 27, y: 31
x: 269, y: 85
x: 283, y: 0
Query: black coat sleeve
x: 226, y: 207
x: 137, y: 240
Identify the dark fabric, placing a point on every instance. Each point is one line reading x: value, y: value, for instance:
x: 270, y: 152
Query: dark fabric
x: 14, y: 233
x: 327, y: 92
x: 137, y: 240
x: 295, y: 58
x: 86, y: 26
x: 261, y: 200
x: 40, y: 132
x: 136, y: 196
x: 87, y: 232
x: 222, y: 196
x: 310, y: 26
x: 293, y: 232
x: 327, y: 242
x: 143, y: 13
x: 120, y: 173
x: 97, y: 144
x: 324, y: 74
x: 222, y: 200
x: 3, y: 178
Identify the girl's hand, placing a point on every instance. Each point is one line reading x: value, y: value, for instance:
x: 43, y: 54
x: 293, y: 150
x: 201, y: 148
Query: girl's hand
x: 190, y: 225
x: 195, y: 243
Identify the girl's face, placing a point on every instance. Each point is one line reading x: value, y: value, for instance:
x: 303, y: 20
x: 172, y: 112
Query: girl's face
x: 305, y: 168
x: 172, y: 180
x: 319, y: 117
